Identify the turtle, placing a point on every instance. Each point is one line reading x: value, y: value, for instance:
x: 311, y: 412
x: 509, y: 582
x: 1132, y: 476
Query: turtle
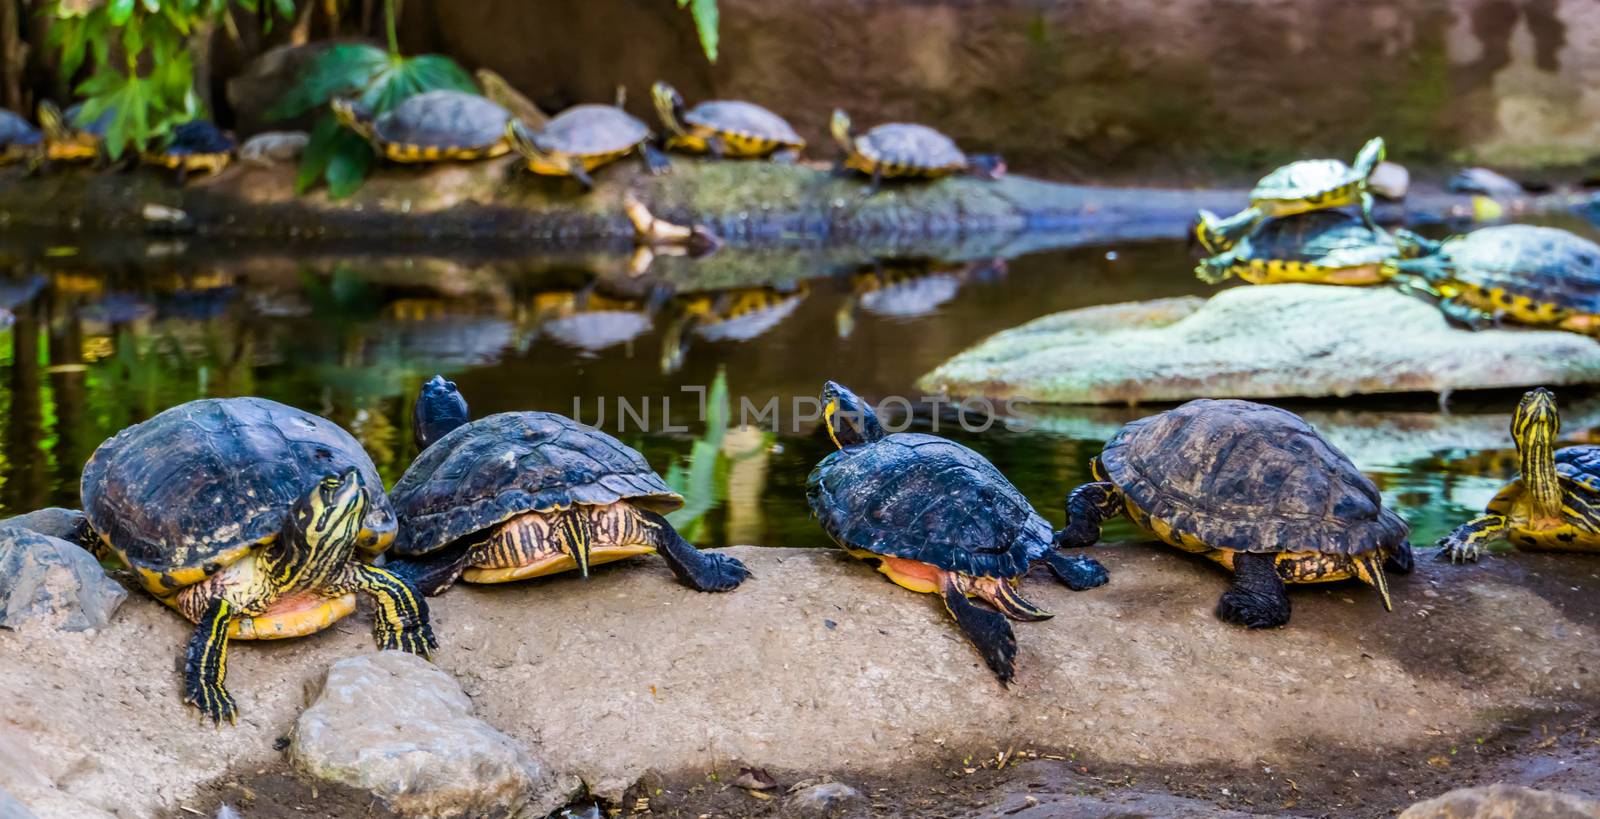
x: 1533, y: 275
x: 1307, y: 185
x: 906, y: 150
x: 434, y: 126
x: 1554, y: 504
x: 589, y: 320
x: 737, y: 314
x: 725, y: 128
x: 1321, y: 246
x: 195, y: 146
x: 517, y: 495
x: 19, y: 140
x: 251, y: 519
x: 581, y: 139
x: 67, y: 138
x: 937, y: 517
x: 1252, y: 487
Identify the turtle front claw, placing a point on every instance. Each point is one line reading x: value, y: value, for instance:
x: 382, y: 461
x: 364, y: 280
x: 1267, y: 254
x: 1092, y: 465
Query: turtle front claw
x: 213, y: 700
x: 1457, y: 550
x: 412, y: 639
x: 720, y: 573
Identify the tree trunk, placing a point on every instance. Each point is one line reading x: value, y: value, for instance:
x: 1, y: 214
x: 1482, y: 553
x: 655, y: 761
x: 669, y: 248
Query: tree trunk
x: 13, y: 52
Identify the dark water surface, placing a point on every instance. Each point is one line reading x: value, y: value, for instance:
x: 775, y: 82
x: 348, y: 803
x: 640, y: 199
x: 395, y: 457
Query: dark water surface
x: 106, y: 337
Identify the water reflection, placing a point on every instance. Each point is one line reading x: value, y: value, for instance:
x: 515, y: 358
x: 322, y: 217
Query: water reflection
x: 107, y: 336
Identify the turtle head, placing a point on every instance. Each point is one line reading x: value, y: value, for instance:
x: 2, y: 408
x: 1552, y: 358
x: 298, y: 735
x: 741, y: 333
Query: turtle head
x: 839, y: 126
x: 1218, y: 235
x: 439, y: 409
x: 1534, y: 428
x: 669, y: 105
x: 325, y: 521
x: 986, y: 166
x: 851, y: 421
x: 352, y: 114
x: 1414, y: 246
x: 524, y: 141
x: 53, y: 122
x: 1367, y: 160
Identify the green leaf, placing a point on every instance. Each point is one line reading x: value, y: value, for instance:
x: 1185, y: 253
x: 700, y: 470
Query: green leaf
x: 319, y: 149
x: 342, y: 69
x: 120, y: 11
x: 705, y: 22
x: 348, y: 167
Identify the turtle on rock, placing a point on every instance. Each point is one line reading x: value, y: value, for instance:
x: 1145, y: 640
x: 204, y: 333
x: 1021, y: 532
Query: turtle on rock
x: 19, y: 140
x: 251, y: 519
x: 937, y: 517
x: 1527, y: 274
x: 1554, y: 505
x: 435, y: 126
x: 725, y: 128
x: 1320, y: 246
x: 1299, y: 187
x: 518, y: 495
x: 902, y: 150
x: 583, y: 138
x: 196, y: 146
x: 1255, y: 489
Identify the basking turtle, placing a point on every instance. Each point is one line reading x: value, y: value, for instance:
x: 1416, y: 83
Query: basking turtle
x: 67, y: 138
x: 725, y: 128
x: 1321, y: 246
x: 195, y: 146
x: 528, y: 494
x: 1539, y: 276
x: 249, y: 518
x: 581, y: 139
x: 435, y: 126
x: 739, y: 314
x: 19, y: 140
x: 1553, y: 506
x: 1252, y: 487
x: 904, y: 150
x: 937, y: 518
x: 1307, y: 185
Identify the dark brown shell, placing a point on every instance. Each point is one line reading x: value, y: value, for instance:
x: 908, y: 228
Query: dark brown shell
x: 201, y: 484
x: 1250, y: 478
x: 495, y: 468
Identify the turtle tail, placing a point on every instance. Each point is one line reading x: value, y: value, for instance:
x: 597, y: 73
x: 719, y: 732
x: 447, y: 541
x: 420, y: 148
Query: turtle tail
x: 433, y: 573
x: 1367, y: 160
x: 1369, y: 568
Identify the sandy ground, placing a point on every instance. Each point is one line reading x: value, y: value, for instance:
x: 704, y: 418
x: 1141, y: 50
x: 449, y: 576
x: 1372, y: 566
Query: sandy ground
x: 819, y: 667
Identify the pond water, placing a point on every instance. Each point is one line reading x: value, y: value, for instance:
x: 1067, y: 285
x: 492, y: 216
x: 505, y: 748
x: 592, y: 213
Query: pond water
x: 107, y: 336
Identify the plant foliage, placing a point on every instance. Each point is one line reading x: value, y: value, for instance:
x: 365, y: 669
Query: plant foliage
x: 705, y: 24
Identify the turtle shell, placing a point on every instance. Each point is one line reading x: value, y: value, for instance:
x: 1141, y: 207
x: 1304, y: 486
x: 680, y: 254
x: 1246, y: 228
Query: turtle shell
x: 1328, y: 237
x: 198, y: 137
x: 592, y: 130
x: 443, y: 119
x: 95, y: 128
x: 15, y: 130
x: 743, y: 118
x: 1545, y: 264
x: 1580, y: 464
x: 928, y: 499
x: 200, y: 485
x: 496, y: 468
x: 1306, y: 178
x: 1247, y: 477
x: 910, y: 146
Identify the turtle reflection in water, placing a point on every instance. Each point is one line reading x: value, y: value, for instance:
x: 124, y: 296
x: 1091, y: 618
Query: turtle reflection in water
x: 901, y: 289
x: 727, y: 315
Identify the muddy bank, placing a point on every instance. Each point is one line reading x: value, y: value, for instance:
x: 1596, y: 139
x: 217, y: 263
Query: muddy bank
x: 817, y: 666
x: 745, y: 202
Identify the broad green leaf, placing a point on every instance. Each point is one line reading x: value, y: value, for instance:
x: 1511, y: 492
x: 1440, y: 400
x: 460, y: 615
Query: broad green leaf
x: 348, y: 167
x: 319, y: 149
x: 120, y: 11
x: 342, y: 69
x: 705, y: 22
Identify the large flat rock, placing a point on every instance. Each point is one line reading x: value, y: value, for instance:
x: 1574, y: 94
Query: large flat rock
x: 819, y: 665
x: 1279, y: 341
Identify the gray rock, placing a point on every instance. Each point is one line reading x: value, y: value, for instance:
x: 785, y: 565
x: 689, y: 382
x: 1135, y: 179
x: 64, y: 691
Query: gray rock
x: 11, y: 808
x: 46, y: 581
x: 1277, y: 341
x: 1486, y: 182
x: 1390, y: 180
x: 394, y: 724
x: 53, y: 521
x: 1504, y: 802
x: 825, y: 799
x: 274, y: 148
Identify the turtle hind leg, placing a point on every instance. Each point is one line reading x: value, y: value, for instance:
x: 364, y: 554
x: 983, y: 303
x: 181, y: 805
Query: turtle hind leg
x: 401, y: 620
x: 701, y: 571
x: 1078, y: 572
x: 1468, y: 539
x: 1258, y: 598
x: 1088, y: 507
x: 205, y: 664
x: 1401, y: 560
x: 431, y: 574
x: 989, y: 631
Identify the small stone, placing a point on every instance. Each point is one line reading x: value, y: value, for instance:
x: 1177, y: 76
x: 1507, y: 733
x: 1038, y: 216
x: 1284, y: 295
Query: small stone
x: 1486, y: 182
x: 274, y: 148
x: 1389, y: 180
x: 826, y: 799
x: 395, y: 725
x: 1503, y: 800
x: 46, y: 581
x: 53, y: 521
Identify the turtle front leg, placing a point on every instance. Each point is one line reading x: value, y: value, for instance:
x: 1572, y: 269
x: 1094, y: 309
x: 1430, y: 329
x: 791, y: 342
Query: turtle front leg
x: 432, y: 574
x: 655, y: 162
x: 877, y: 182
x: 1088, y: 507
x: 1078, y: 572
x: 701, y: 571
x: 205, y: 664
x: 1366, y: 213
x: 401, y: 619
x: 785, y: 156
x: 1258, y: 598
x: 577, y: 171
x: 1460, y: 313
x: 988, y: 631
x: 1468, y: 539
